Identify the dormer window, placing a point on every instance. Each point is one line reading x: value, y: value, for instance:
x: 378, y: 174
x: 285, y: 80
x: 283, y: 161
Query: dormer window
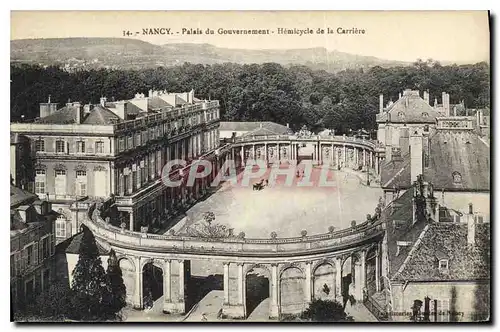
x: 443, y: 265
x: 457, y: 178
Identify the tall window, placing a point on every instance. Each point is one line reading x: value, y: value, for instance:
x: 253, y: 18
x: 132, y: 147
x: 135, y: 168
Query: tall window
x: 60, y: 146
x: 61, y: 227
x: 12, y: 265
x: 45, y: 248
x: 81, y: 183
x: 30, y: 259
x: 80, y: 147
x: 130, y: 142
x: 40, y: 145
x: 121, y: 144
x: 60, y: 182
x: 138, y: 139
x: 99, y: 147
x: 40, y: 181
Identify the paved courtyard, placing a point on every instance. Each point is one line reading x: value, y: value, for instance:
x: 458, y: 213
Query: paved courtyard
x: 288, y: 209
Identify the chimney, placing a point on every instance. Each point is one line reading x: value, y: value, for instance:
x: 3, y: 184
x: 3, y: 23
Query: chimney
x: 381, y: 104
x: 416, y: 155
x: 399, y: 95
x: 150, y: 93
x: 288, y: 125
x: 471, y: 227
x: 79, y: 112
x: 446, y: 103
x: 87, y: 108
x: 120, y: 109
x: 260, y: 125
x: 404, y: 140
x: 480, y: 111
x: 47, y: 108
x: 426, y: 97
x: 435, y: 102
x: 103, y: 101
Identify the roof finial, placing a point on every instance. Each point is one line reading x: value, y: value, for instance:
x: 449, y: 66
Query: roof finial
x: 49, y: 100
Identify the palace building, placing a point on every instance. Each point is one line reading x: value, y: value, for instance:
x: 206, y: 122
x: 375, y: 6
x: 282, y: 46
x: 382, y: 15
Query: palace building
x: 82, y: 152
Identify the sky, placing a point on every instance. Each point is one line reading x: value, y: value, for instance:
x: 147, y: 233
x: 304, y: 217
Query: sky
x: 454, y: 36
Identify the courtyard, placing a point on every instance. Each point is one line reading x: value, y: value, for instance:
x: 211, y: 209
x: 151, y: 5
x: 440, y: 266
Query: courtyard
x: 288, y: 209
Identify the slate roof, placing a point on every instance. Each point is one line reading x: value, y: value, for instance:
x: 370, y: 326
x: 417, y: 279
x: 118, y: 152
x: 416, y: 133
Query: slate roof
x: 274, y: 128
x: 72, y: 245
x: 450, y: 151
x: 101, y: 116
x: 438, y: 240
x: 412, y: 107
x: 64, y: 115
x: 19, y: 196
x: 156, y: 102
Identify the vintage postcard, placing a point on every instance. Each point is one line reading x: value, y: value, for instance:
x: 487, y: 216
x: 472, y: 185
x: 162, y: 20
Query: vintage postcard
x: 250, y: 166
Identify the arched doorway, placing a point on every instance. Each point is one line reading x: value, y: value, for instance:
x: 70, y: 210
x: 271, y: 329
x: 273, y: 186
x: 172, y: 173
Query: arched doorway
x: 324, y: 282
x: 128, y: 275
x: 257, y: 290
x: 292, y: 296
x: 152, y: 284
x: 371, y: 271
x: 347, y: 282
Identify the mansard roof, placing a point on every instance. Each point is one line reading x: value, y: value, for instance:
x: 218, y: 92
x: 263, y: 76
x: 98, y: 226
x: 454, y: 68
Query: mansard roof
x: 100, y: 115
x: 410, y: 108
x: 459, y: 151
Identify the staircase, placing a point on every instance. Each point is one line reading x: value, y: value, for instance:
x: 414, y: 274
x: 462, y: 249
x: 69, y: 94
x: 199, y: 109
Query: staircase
x: 377, y: 305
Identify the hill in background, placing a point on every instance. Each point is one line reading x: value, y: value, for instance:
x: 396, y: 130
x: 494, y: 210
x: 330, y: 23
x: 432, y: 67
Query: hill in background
x: 122, y: 53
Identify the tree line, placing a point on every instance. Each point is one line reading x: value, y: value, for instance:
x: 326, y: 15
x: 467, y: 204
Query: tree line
x: 297, y: 95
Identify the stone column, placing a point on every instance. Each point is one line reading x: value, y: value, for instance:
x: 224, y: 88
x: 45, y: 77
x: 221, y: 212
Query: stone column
x: 181, y: 305
x: 370, y: 160
x: 167, y: 284
x: 363, y: 273
x: 320, y: 154
x: 338, y: 278
x: 240, y: 284
x: 131, y: 217
x: 356, y: 157
x: 332, y: 157
x: 242, y: 156
x: 226, y: 283
x: 345, y: 155
x: 308, y: 285
x: 253, y: 152
x: 137, y: 298
x: 364, y: 158
x: 274, y: 307
x: 377, y: 166
x: 377, y: 270
x: 357, y: 281
x: 265, y: 152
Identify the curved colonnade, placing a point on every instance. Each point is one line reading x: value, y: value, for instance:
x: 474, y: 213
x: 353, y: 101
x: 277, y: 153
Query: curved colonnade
x: 333, y: 265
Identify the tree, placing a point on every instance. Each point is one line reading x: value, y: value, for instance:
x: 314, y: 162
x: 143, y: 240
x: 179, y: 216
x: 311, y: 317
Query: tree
x: 89, y: 281
x: 53, y: 304
x: 116, y: 291
x: 326, y: 311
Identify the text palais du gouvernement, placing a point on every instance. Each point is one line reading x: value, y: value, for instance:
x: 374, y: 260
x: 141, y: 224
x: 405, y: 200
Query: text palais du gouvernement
x: 225, y: 31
